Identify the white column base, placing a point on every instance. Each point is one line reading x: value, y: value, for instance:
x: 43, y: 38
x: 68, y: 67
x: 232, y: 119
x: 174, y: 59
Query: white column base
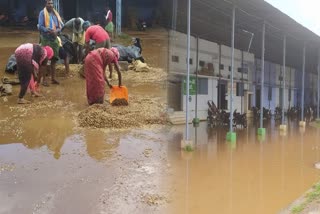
x: 187, y: 143
x: 283, y: 127
x: 302, y: 123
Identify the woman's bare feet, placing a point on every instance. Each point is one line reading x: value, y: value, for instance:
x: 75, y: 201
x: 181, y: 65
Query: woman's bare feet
x: 23, y: 101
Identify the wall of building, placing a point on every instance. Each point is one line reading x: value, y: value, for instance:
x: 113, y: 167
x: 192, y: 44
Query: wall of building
x: 209, y: 52
x: 273, y: 84
x: 202, y: 99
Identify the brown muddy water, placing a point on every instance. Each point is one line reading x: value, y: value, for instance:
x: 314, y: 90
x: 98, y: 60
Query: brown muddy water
x: 50, y: 165
x: 249, y: 176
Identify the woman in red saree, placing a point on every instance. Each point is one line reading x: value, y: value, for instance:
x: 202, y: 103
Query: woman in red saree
x: 95, y: 65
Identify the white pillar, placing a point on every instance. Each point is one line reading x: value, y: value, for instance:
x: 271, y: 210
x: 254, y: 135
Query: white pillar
x: 188, y: 70
x: 119, y: 14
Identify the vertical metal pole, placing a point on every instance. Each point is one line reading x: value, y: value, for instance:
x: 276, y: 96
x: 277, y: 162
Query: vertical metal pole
x: 197, y: 61
x: 119, y: 14
x: 270, y: 86
x: 174, y: 14
x: 318, y: 101
x: 284, y: 77
x: 303, y: 76
x: 77, y: 8
x: 290, y: 90
x: 58, y: 1
x: 262, y: 73
x: 232, y: 66
x: 55, y: 5
x: 242, y: 85
x: 188, y: 69
x: 219, y: 80
x: 250, y: 42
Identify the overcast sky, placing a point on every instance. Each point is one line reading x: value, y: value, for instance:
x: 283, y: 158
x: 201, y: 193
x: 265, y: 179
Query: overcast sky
x: 306, y: 12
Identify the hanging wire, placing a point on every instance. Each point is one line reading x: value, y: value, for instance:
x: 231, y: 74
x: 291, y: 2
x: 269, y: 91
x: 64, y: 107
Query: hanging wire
x: 243, y: 25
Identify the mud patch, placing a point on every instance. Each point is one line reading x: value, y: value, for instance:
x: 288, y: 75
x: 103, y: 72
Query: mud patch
x: 35, y: 107
x: 139, y: 112
x: 13, y: 125
x: 147, y: 152
x: 6, y: 167
x: 153, y: 199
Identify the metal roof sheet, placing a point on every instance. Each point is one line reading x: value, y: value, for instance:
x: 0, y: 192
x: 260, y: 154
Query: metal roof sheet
x: 211, y: 20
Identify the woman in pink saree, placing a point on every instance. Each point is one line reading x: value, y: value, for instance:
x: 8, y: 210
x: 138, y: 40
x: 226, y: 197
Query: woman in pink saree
x: 95, y: 65
x: 30, y: 57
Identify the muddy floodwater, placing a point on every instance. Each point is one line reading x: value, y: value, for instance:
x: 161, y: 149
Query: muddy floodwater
x: 249, y: 176
x: 50, y: 164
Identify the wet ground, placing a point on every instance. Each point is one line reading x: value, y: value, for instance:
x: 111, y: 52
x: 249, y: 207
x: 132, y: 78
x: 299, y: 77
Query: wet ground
x: 50, y: 165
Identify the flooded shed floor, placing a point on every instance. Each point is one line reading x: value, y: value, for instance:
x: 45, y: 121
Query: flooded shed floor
x: 249, y: 176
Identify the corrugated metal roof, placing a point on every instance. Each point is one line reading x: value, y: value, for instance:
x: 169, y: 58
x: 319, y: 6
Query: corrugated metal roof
x: 211, y: 20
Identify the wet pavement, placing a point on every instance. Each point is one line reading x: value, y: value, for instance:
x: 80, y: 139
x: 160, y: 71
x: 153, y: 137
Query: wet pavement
x: 50, y: 165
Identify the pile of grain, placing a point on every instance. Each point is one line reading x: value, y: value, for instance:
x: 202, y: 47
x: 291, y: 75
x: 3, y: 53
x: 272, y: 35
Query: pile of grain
x: 153, y: 76
x: 120, y: 102
x: 75, y: 69
x: 141, y: 111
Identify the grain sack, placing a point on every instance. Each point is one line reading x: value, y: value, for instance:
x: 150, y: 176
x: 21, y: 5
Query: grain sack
x: 139, y: 66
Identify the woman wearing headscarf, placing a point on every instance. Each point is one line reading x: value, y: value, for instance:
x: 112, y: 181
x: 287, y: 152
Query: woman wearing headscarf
x: 29, y: 59
x: 95, y: 65
x: 109, y: 24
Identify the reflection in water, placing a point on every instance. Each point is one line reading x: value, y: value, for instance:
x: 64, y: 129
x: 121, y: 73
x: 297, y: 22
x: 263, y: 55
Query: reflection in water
x: 99, y: 144
x: 53, y: 134
x: 187, y: 187
x: 252, y: 176
x: 301, y: 158
x: 261, y: 159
